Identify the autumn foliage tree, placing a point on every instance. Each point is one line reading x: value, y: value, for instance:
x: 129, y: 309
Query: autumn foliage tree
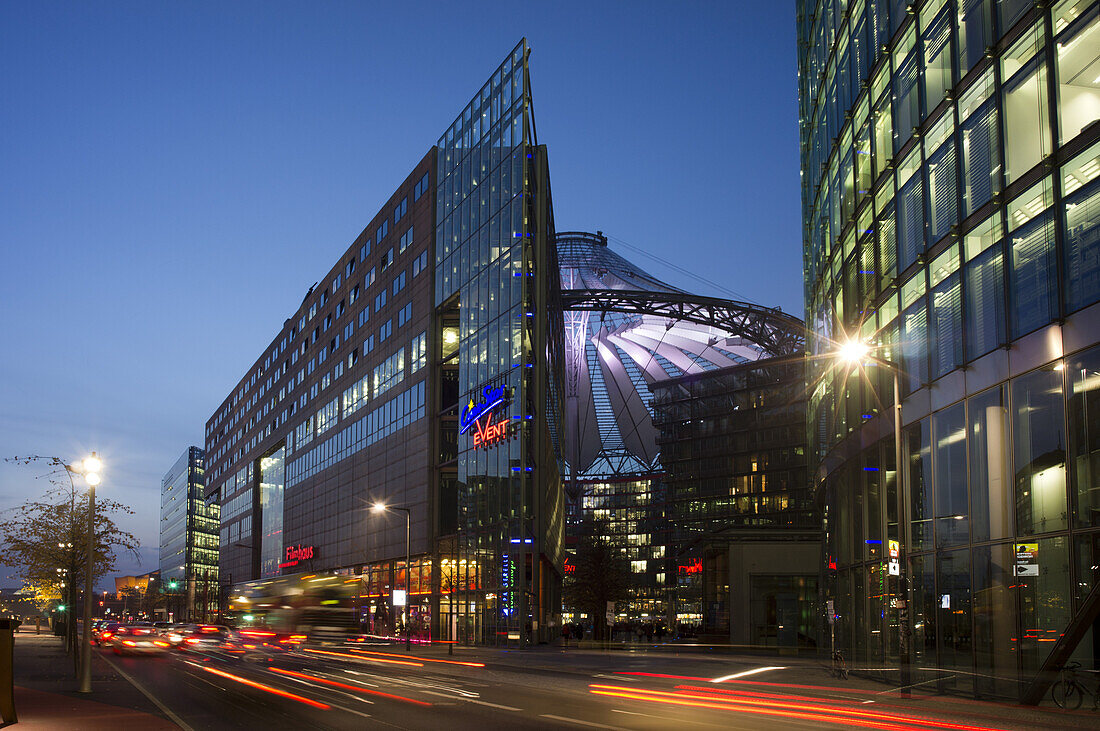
x: 46, y: 540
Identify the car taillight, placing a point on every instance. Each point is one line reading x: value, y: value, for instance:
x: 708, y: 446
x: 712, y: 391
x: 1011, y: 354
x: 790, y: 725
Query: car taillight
x: 106, y: 635
x: 129, y: 642
x: 192, y: 641
x: 158, y: 643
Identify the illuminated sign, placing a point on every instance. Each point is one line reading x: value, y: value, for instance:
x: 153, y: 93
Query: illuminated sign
x: 294, y: 554
x: 491, y: 397
x: 569, y: 568
x: 693, y: 566
x: 1027, y: 559
x: 490, y: 433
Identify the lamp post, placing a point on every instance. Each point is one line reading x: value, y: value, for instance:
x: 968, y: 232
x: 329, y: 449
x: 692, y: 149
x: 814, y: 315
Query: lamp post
x: 855, y: 352
x: 90, y: 470
x: 381, y: 508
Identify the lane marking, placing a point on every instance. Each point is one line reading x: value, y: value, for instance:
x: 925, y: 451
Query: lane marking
x: 492, y: 705
x: 578, y: 721
x: 616, y: 677
x: 166, y: 710
x: 337, y: 684
x: 746, y: 673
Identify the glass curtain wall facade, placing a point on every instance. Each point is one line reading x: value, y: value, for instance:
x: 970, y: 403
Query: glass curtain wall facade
x: 495, y: 284
x: 189, y: 537
x: 951, y: 211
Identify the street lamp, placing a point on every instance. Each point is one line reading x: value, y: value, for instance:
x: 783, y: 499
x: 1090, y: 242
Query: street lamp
x: 855, y: 353
x: 90, y: 470
x: 381, y: 508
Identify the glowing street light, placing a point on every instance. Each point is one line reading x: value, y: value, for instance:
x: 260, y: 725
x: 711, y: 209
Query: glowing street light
x: 89, y: 468
x: 381, y: 507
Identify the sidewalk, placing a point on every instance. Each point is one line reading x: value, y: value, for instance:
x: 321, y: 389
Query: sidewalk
x: 46, y: 697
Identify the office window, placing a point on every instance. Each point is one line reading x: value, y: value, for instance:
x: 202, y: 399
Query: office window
x: 420, y: 263
x: 941, y: 170
x: 327, y: 416
x: 327, y: 322
x: 382, y: 231
x: 364, y: 315
x: 404, y: 315
x: 380, y: 301
x: 974, y: 33
x: 400, y: 209
x: 1033, y: 278
x: 353, y: 295
x: 979, y: 144
x: 385, y: 330
x: 389, y: 373
x: 1026, y: 117
x: 349, y: 268
x: 418, y: 352
x: 348, y: 330
x: 1081, y: 188
x: 1078, y: 51
x: 340, y: 308
x: 985, y: 300
x: 336, y: 283
x: 421, y: 188
x: 312, y: 310
x: 398, y: 283
x: 368, y: 345
x: 910, y: 210
x: 369, y: 279
x: 406, y: 240
x: 936, y: 45
x: 906, y: 108
x: 311, y: 366
x: 386, y: 260
x: 364, y: 250
x: 946, y: 316
x: 324, y: 297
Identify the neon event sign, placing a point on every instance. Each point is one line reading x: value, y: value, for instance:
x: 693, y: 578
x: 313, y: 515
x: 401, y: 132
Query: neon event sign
x: 491, y: 397
x: 480, y: 416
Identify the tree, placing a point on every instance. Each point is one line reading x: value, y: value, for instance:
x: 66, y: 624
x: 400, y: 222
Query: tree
x: 602, y: 574
x: 50, y: 533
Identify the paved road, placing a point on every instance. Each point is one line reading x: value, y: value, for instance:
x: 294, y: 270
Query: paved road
x: 342, y: 688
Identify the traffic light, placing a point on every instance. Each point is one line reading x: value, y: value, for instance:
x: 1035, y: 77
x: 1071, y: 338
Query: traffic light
x: 171, y: 585
x: 61, y: 607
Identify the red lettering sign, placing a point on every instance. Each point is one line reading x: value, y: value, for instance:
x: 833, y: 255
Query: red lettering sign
x: 294, y: 554
x: 693, y: 566
x: 490, y: 433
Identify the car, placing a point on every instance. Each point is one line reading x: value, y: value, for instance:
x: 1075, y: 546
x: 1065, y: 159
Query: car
x: 102, y: 635
x: 175, y: 633
x: 214, y: 639
x: 138, y: 640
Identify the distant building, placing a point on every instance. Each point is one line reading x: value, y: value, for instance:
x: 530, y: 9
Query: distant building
x: 188, y: 539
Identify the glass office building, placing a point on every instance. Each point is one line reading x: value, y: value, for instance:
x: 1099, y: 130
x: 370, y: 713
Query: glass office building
x: 496, y: 289
x: 951, y: 211
x: 188, y: 539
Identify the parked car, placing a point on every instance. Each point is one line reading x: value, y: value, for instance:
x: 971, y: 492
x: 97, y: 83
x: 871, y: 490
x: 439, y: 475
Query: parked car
x: 138, y: 640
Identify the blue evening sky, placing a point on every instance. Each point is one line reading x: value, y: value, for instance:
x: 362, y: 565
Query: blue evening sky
x: 173, y: 176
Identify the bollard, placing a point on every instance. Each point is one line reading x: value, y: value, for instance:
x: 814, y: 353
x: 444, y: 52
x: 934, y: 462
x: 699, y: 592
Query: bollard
x: 7, y: 672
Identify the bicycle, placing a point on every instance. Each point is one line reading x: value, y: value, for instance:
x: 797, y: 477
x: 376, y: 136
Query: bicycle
x: 839, y: 668
x: 1068, y: 692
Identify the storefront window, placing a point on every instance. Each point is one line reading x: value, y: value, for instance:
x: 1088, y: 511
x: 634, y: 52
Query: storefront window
x: 989, y: 465
x: 920, y: 488
x: 1083, y: 378
x: 1044, y: 597
x: 1039, y: 441
x: 994, y: 620
x: 953, y: 605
